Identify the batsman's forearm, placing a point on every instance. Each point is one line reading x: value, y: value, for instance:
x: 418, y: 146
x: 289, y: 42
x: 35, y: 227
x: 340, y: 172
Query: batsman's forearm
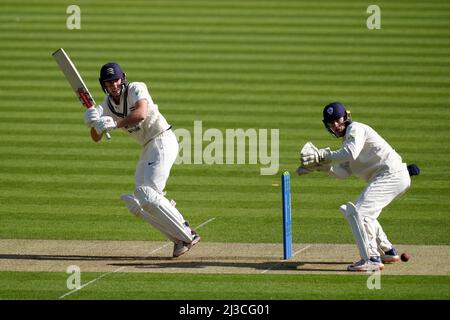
x: 131, y: 120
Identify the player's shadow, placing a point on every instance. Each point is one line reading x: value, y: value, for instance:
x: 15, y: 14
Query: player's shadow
x: 155, y: 262
x: 263, y: 266
x: 58, y: 257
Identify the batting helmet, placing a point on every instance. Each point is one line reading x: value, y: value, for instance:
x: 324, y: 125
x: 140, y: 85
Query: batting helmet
x: 111, y: 71
x: 334, y: 111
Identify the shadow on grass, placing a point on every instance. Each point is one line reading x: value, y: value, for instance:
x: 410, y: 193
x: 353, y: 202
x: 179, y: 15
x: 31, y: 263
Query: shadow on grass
x: 299, y: 266
x: 140, y: 262
x: 76, y: 257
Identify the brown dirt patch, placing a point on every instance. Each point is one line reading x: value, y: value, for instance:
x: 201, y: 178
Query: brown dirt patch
x: 206, y: 257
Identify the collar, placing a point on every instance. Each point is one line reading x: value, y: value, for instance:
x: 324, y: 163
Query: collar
x: 125, y: 104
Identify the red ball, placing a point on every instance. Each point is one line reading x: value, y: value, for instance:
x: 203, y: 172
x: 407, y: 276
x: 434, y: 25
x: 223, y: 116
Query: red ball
x: 405, y: 257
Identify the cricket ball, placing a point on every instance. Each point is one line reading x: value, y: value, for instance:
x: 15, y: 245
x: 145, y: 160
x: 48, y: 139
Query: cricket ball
x: 405, y: 257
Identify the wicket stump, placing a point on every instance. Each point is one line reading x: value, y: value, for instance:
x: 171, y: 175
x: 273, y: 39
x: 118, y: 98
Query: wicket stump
x: 287, y: 229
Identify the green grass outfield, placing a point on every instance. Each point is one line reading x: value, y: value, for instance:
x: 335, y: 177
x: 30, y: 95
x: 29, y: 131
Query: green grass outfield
x: 231, y: 64
x: 51, y: 285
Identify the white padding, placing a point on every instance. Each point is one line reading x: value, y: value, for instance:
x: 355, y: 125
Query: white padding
x: 161, y: 210
x: 357, y: 227
x: 134, y: 207
x: 132, y: 204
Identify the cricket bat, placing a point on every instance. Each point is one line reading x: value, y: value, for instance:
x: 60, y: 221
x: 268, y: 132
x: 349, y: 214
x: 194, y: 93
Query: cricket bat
x: 70, y: 71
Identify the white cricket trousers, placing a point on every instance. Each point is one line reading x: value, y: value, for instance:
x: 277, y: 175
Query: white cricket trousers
x: 156, y: 161
x: 379, y: 193
x: 152, y: 173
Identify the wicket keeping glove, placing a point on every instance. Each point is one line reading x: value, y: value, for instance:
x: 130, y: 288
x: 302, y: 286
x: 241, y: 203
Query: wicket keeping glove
x: 105, y: 123
x: 92, y: 115
x: 314, y: 156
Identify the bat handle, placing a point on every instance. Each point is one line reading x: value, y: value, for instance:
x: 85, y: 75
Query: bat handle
x: 108, y: 136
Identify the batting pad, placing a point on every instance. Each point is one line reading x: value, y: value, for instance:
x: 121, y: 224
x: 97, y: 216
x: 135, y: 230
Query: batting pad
x: 352, y: 216
x: 134, y: 207
x: 161, y: 211
x: 152, y: 221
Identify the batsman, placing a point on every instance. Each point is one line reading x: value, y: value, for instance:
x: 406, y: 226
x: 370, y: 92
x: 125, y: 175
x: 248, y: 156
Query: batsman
x: 366, y: 154
x: 129, y: 106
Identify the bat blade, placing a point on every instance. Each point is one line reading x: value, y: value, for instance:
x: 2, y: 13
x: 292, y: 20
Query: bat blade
x: 74, y: 78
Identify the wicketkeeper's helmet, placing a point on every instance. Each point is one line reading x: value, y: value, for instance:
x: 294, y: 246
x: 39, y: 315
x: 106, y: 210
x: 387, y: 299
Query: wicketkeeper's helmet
x: 112, y: 71
x: 334, y: 111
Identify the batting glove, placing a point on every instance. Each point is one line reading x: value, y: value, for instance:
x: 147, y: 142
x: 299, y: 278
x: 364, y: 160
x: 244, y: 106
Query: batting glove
x: 105, y: 123
x: 92, y: 115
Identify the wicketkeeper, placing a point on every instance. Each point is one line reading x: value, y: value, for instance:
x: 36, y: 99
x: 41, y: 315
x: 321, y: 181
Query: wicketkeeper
x: 367, y: 155
x: 129, y: 106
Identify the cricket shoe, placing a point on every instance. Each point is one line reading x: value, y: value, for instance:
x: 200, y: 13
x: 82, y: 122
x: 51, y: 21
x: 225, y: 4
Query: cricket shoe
x: 182, y: 247
x: 179, y: 248
x: 390, y: 256
x: 374, y: 264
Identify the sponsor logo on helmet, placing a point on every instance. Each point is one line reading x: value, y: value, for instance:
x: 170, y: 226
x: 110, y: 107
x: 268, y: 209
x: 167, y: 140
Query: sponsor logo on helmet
x: 110, y: 71
x: 330, y: 110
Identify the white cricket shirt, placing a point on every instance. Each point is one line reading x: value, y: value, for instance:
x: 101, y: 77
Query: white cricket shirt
x: 150, y: 127
x: 367, y: 154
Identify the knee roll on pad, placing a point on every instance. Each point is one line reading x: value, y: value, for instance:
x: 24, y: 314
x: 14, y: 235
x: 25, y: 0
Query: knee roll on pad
x: 164, y: 213
x: 132, y: 204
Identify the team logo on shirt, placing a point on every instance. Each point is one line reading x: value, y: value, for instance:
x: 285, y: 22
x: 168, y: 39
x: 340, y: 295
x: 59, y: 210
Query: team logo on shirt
x: 350, y: 138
